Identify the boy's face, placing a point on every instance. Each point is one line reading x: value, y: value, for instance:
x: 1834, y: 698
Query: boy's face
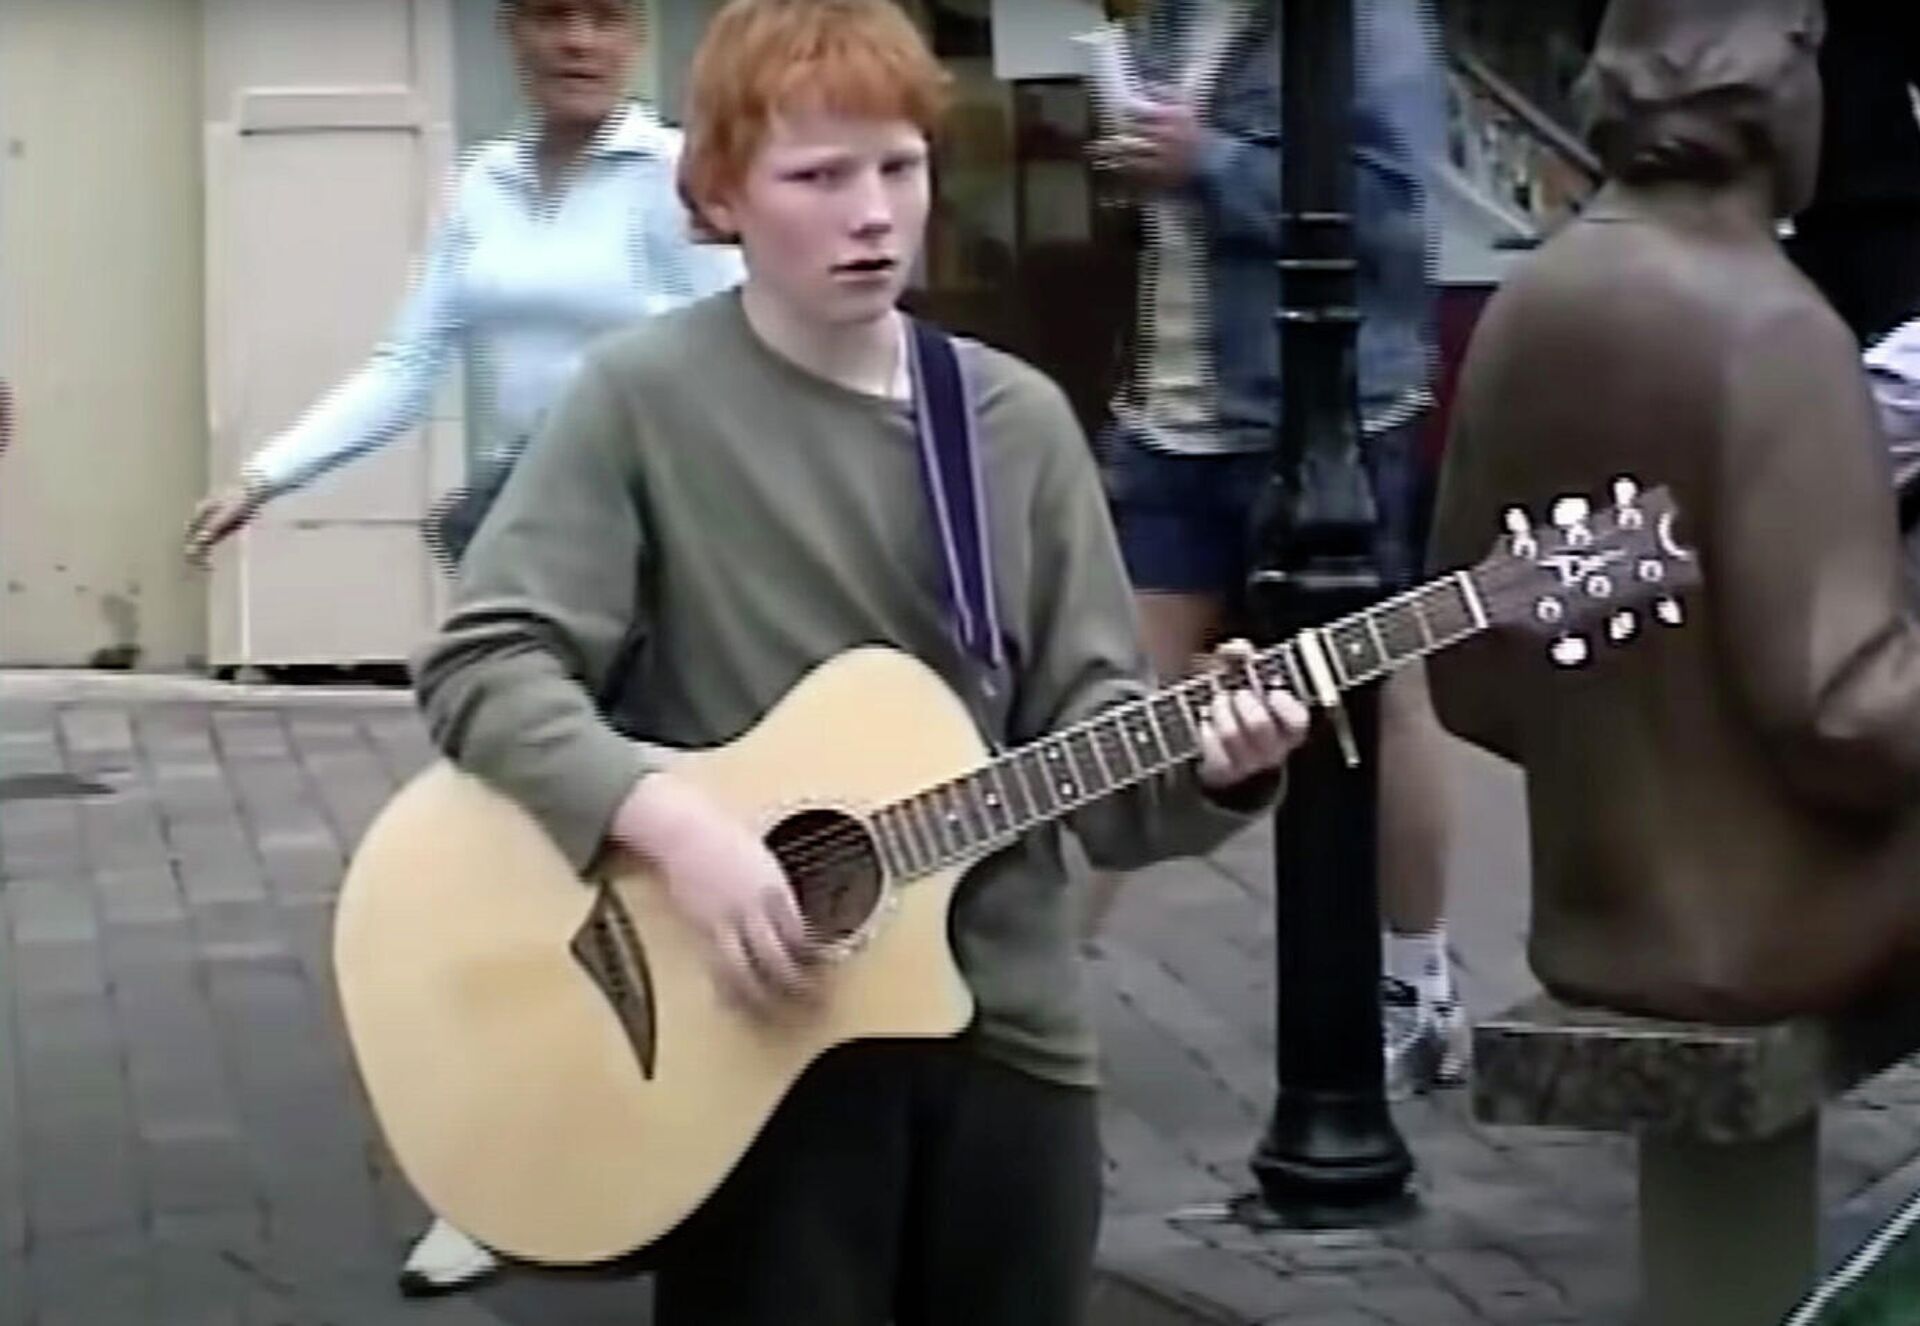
x: 831, y: 213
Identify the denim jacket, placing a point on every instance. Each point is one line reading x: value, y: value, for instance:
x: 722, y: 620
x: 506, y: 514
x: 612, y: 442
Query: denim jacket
x: 1399, y: 136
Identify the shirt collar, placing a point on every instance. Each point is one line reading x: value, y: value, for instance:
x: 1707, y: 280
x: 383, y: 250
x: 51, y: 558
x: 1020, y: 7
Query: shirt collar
x: 631, y: 130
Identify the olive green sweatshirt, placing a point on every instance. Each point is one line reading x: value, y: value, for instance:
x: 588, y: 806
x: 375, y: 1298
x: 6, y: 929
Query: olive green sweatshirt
x: 712, y: 521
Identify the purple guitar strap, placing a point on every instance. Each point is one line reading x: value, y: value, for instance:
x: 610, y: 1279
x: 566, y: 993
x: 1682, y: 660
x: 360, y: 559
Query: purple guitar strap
x: 951, y: 476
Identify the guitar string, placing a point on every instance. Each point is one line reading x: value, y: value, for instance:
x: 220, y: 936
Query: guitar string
x: 856, y: 836
x: 1186, y: 689
x: 846, y: 843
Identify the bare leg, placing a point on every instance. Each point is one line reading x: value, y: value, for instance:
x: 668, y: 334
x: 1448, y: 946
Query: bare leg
x: 1415, y: 810
x: 1425, y: 1038
x: 1177, y: 629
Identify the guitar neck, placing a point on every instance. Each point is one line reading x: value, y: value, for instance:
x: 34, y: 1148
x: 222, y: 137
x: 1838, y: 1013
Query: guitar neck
x: 969, y: 816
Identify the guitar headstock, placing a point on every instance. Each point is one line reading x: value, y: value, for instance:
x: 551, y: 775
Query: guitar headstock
x: 1588, y: 572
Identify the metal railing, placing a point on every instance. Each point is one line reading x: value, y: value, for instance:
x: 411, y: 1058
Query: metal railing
x: 1521, y: 160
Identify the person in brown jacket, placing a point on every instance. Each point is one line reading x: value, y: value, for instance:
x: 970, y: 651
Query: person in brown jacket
x: 1725, y: 819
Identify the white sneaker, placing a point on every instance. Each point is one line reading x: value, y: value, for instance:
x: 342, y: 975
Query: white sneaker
x: 445, y: 1261
x: 1424, y: 1042
x: 1456, y: 1044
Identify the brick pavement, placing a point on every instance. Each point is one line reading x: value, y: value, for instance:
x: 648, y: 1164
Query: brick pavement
x: 182, y: 1140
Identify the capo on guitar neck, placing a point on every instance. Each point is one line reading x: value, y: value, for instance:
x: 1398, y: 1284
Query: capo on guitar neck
x: 1326, y: 694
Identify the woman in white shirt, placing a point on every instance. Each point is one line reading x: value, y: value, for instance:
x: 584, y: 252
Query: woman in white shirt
x: 555, y: 235
x: 558, y: 233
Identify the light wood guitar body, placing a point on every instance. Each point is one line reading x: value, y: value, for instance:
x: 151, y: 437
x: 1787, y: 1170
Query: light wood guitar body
x: 508, y: 1088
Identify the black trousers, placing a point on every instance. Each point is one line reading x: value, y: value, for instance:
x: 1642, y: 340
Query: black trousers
x: 916, y: 1183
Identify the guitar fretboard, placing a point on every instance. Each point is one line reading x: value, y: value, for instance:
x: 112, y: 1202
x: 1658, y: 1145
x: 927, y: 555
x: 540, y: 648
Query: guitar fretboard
x: 974, y: 814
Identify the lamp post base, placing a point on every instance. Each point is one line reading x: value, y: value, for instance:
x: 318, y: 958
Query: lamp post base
x: 1329, y: 1161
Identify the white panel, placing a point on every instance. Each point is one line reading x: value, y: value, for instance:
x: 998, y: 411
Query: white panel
x: 329, y: 142
x: 339, y: 593
x: 286, y: 110
x: 331, y: 221
x: 286, y: 43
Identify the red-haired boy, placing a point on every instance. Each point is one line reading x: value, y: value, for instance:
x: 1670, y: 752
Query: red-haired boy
x: 729, y: 496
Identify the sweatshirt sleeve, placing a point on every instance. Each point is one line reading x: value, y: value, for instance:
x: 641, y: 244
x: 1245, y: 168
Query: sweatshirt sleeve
x: 548, y: 597
x: 1085, y: 653
x: 1805, y: 585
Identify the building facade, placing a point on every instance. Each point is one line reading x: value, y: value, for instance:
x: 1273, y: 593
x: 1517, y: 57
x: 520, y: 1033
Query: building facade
x: 208, y: 209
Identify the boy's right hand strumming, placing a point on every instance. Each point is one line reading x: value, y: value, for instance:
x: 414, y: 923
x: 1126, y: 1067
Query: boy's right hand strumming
x: 729, y: 886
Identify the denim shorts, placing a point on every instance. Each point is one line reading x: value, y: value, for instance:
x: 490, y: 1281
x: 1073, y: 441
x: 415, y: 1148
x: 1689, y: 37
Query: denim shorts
x: 1186, y: 522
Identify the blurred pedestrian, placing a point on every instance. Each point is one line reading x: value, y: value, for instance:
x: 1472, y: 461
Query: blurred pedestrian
x: 559, y: 232
x: 1197, y: 141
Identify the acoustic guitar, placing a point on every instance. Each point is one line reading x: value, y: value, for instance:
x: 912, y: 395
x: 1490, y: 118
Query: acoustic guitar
x: 550, y: 1059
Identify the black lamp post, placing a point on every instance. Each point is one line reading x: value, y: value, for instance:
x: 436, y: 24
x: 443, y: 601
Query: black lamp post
x: 1331, y: 1155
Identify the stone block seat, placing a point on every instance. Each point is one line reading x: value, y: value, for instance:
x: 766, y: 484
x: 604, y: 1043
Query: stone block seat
x: 1727, y: 1120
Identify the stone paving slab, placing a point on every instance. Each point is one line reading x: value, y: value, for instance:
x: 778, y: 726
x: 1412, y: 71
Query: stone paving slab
x: 182, y: 1139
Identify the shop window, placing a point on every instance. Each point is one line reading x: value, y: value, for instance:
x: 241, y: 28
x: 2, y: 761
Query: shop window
x: 1019, y: 253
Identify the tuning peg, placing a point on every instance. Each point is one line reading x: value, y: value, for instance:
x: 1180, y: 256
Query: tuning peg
x: 1571, y: 512
x: 1570, y: 515
x: 1669, y: 612
x: 1622, y: 627
x: 1570, y: 651
x: 1626, y: 493
x: 1520, y: 531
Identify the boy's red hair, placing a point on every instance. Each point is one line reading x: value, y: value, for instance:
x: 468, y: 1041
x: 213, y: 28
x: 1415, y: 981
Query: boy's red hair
x: 759, y: 57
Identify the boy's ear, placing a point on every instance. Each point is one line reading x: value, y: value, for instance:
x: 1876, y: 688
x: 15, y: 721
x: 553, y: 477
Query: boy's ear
x: 718, y: 216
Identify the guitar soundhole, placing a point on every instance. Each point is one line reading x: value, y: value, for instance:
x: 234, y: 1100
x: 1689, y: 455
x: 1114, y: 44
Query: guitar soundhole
x: 835, y: 869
